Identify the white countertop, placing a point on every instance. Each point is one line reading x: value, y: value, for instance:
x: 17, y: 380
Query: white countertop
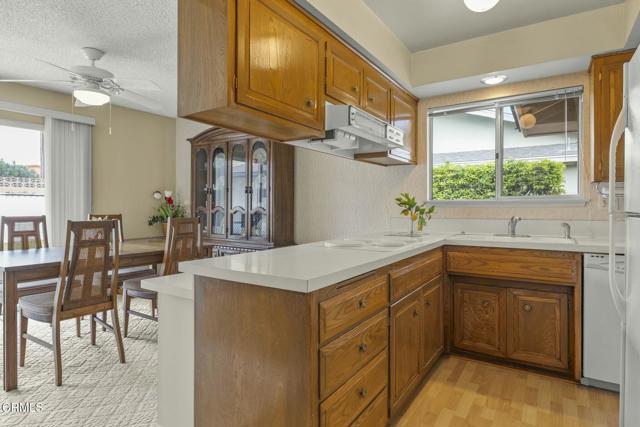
x: 312, y: 266
x: 176, y: 285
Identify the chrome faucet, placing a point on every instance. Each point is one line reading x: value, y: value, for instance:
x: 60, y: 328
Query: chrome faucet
x: 566, y: 230
x: 513, y: 222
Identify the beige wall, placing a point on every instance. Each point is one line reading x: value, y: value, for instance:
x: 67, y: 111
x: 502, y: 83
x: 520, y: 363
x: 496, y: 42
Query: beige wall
x: 336, y: 197
x: 128, y: 165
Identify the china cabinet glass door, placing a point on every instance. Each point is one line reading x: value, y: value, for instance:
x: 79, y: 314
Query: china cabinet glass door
x: 238, y: 191
x: 201, y: 191
x: 218, y: 190
x: 259, y: 191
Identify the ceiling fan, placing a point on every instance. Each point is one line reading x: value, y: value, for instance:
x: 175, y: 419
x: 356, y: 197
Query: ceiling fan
x: 94, y: 86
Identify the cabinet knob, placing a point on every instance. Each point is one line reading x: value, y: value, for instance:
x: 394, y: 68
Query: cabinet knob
x: 362, y: 347
x: 310, y: 103
x: 428, y: 303
x: 362, y: 303
x: 415, y: 312
x: 362, y: 392
x: 371, y: 99
x: 485, y: 303
x: 354, y: 88
x: 526, y: 307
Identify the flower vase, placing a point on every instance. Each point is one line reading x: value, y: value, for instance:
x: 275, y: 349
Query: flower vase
x: 164, y: 229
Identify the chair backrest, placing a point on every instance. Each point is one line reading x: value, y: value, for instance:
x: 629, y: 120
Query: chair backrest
x: 116, y: 217
x: 91, y: 253
x: 27, y: 231
x: 183, y: 243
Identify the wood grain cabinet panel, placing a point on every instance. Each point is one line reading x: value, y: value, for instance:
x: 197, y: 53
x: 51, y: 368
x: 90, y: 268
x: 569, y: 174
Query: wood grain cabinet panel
x: 344, y: 356
x: 376, y: 94
x: 607, y: 82
x: 344, y: 406
x: 406, y: 330
x: 538, y: 331
x: 403, y: 114
x: 526, y: 265
x: 480, y: 318
x: 432, y: 325
x: 343, y: 311
x: 345, y: 72
x: 376, y: 413
x: 411, y: 275
x: 280, y: 62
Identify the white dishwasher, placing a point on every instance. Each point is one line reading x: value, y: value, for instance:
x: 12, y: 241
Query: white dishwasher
x: 601, y: 324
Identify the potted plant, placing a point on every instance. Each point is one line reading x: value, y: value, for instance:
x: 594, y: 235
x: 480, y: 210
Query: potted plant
x: 168, y: 208
x: 419, y: 213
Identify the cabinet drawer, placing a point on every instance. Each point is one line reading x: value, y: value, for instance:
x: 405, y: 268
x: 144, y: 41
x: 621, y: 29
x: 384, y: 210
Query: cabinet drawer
x: 376, y: 414
x: 410, y: 277
x: 343, y: 357
x: 345, y: 310
x: 530, y: 266
x: 343, y: 406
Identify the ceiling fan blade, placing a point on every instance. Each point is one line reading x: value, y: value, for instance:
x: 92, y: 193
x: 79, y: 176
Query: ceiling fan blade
x: 32, y: 81
x: 58, y: 67
x: 141, y: 100
x: 137, y: 84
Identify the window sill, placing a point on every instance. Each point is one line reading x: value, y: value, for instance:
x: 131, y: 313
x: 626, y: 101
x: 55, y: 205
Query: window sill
x: 568, y: 201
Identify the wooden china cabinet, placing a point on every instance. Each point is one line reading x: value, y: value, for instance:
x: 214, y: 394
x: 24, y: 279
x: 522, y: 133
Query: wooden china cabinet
x: 242, y: 190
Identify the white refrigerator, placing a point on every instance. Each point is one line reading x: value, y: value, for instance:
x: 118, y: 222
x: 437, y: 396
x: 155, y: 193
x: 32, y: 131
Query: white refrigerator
x: 626, y: 295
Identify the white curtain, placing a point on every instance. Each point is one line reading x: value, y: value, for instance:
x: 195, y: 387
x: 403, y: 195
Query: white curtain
x: 67, y: 165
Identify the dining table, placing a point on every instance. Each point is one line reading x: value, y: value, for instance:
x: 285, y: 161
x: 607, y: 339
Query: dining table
x: 29, y: 265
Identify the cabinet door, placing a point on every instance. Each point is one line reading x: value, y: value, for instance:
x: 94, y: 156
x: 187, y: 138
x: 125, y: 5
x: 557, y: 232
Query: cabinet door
x: 200, y: 186
x: 259, y: 191
x: 238, y: 176
x: 432, y: 332
x: 344, y: 74
x: 280, y: 61
x: 406, y: 330
x: 376, y: 94
x: 479, y: 318
x: 538, y: 329
x: 218, y: 190
x: 608, y: 81
x: 404, y: 116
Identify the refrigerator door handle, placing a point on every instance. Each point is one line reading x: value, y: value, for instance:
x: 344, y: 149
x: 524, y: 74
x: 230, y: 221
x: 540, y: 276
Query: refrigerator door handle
x: 618, y: 131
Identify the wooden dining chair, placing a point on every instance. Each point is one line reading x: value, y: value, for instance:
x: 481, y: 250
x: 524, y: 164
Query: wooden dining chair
x: 183, y: 243
x: 86, y: 287
x: 25, y: 232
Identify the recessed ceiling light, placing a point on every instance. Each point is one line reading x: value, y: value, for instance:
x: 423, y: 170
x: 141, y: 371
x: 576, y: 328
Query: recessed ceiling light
x: 480, y: 5
x: 493, y: 80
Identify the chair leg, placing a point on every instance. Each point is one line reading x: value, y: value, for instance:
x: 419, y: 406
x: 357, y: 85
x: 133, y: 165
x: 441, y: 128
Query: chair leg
x: 154, y: 308
x: 126, y: 304
x: 78, y: 334
x: 104, y: 319
x: 116, y: 331
x: 57, y: 354
x: 24, y: 322
x: 92, y: 320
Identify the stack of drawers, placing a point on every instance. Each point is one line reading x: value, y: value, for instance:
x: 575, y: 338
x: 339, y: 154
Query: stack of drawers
x: 353, y: 359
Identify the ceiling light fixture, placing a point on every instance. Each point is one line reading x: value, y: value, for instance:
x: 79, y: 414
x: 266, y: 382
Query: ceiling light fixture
x: 480, y: 5
x: 494, y: 80
x: 91, y: 97
x: 528, y: 121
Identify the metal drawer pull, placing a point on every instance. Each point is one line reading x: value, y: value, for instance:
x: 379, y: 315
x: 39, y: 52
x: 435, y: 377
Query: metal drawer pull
x: 362, y: 393
x: 362, y: 347
x: 310, y: 103
x: 485, y: 303
x: 362, y: 303
x: 526, y: 307
x: 354, y: 88
x: 415, y: 313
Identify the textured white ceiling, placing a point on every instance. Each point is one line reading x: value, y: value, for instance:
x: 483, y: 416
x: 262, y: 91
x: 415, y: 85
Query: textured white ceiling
x: 139, y: 36
x: 423, y: 24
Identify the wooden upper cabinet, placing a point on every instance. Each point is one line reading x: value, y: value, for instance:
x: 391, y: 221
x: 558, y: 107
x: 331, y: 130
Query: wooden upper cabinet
x: 479, y: 318
x: 280, y: 62
x: 376, y: 94
x: 538, y: 331
x: 607, y: 79
x: 345, y: 72
x: 404, y: 116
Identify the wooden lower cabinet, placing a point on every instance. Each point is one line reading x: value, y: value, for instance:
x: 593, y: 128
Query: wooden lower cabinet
x: 538, y: 328
x: 432, y: 331
x: 479, y: 318
x: 406, y: 329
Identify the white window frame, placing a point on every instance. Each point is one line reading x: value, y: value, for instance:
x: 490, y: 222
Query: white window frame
x: 498, y: 104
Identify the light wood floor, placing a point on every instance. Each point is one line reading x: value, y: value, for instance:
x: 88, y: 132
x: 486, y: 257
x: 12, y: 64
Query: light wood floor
x: 463, y: 392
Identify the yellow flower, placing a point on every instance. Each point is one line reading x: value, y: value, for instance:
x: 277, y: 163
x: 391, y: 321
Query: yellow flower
x: 414, y: 217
